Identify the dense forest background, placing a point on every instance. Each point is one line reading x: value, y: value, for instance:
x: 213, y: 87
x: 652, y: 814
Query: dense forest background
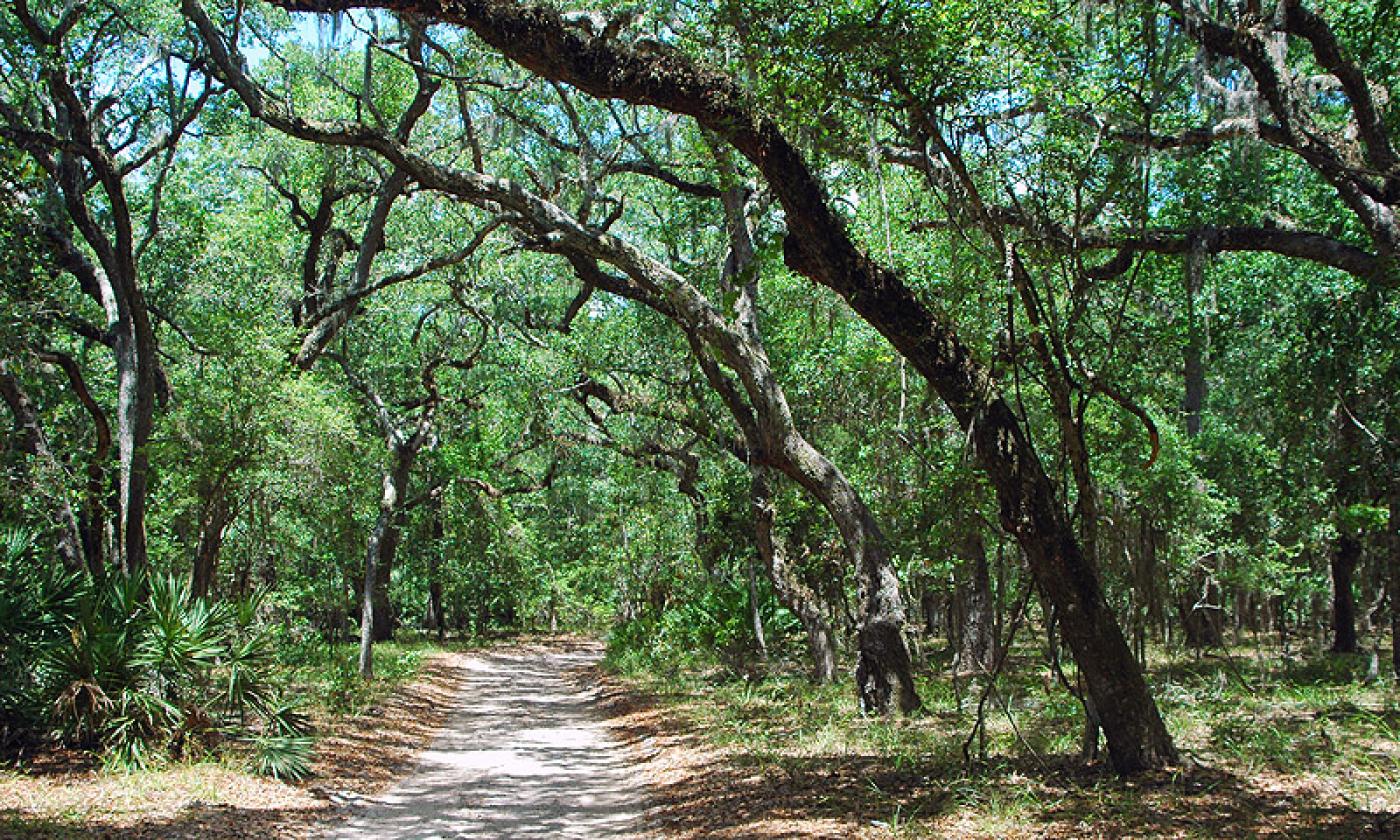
x: 895, y: 343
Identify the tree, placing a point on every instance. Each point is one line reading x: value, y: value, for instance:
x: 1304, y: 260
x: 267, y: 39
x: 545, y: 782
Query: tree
x: 105, y: 134
x: 819, y: 246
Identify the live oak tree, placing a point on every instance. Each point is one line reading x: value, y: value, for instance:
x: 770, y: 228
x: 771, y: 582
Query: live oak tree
x: 104, y: 126
x: 765, y: 337
x: 819, y: 246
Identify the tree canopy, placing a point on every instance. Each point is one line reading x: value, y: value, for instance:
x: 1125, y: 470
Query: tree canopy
x: 739, y: 328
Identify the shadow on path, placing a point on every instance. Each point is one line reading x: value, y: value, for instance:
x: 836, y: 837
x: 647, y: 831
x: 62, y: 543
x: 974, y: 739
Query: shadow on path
x: 524, y: 754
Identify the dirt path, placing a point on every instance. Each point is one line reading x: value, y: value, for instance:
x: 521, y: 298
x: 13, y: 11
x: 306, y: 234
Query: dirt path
x: 524, y: 755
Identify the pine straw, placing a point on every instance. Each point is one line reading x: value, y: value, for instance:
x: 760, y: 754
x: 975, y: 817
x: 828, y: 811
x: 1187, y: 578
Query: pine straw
x: 59, y: 797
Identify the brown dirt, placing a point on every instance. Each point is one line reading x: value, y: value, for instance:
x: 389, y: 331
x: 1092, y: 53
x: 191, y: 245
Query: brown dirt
x: 702, y: 791
x: 61, y: 795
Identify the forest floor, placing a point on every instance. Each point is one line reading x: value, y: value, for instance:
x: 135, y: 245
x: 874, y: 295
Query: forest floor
x: 66, y: 795
x: 502, y: 742
x: 536, y: 738
x: 1299, y: 750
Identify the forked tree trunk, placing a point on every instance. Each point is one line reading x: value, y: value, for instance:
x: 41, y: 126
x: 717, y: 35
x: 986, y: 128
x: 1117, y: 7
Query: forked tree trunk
x: 214, y: 523
x: 1202, y: 620
x: 375, y: 619
x: 404, y: 446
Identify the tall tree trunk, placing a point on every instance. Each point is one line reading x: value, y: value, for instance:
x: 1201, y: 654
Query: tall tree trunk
x: 1345, y: 555
x: 928, y: 606
x: 136, y: 405
x: 383, y: 623
x: 47, y: 475
x: 404, y: 446
x: 1391, y: 546
x: 436, y: 621
x: 977, y: 645
x: 1394, y: 551
x: 1202, y: 612
x: 1347, y: 465
x: 755, y: 617
x: 93, y: 521
x: 375, y: 618
x: 382, y: 525
x: 1196, y: 337
x: 795, y: 595
x: 213, y: 525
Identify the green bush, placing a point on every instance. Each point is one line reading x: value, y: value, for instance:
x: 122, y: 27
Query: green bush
x: 138, y: 668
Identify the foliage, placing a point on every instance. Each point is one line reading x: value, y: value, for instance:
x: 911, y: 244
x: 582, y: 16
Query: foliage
x: 142, y: 669
x: 582, y: 469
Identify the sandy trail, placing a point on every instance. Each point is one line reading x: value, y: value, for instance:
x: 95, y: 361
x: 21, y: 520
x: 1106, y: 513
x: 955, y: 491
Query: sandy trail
x: 524, y: 755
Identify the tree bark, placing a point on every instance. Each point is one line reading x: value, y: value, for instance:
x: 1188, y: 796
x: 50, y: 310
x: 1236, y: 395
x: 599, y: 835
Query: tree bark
x: 217, y: 516
x: 795, y: 595
x: 48, y: 479
x: 1347, y: 473
x: 977, y: 643
x: 368, y: 589
x: 1345, y: 555
x: 375, y: 613
x: 1194, y: 362
x: 819, y: 247
x: 755, y: 617
x: 136, y: 406
x: 436, y: 621
x: 1393, y: 550
x: 92, y: 512
x: 383, y: 611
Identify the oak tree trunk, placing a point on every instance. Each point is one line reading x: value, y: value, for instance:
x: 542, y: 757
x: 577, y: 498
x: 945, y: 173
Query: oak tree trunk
x: 218, y: 514
x: 977, y: 643
x: 1345, y: 555
x: 1393, y: 550
x: 795, y: 595
x: 47, y: 475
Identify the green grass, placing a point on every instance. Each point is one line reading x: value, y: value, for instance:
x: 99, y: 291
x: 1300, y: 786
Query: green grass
x: 1308, y: 721
x: 328, y: 678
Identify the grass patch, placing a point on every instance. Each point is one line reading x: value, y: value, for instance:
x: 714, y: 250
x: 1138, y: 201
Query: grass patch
x: 327, y: 677
x: 1301, y: 747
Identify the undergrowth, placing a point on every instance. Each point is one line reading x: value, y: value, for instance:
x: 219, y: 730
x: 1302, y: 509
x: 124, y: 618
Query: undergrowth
x: 1309, y: 727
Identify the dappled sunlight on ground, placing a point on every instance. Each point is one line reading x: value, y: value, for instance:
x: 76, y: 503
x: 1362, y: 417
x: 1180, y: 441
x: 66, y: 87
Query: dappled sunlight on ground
x: 524, y: 755
x: 788, y: 788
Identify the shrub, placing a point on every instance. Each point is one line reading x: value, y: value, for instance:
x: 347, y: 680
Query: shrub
x: 138, y: 668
